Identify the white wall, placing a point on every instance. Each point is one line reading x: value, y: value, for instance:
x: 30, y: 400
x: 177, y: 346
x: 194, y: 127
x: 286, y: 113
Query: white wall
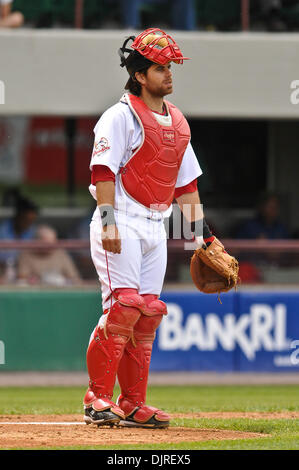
x: 69, y: 72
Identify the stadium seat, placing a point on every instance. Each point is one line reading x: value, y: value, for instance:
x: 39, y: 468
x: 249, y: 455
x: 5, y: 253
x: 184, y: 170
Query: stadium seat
x: 132, y: 10
x: 31, y: 9
x: 94, y: 9
x: 291, y: 15
x: 64, y: 10
x: 221, y: 14
x: 176, y: 14
x: 57, y: 10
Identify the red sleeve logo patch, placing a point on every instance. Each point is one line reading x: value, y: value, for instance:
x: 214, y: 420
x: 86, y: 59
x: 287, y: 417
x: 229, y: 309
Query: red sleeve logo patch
x: 101, y: 146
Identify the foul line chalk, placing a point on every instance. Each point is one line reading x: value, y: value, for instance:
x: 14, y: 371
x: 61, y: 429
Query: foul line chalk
x: 51, y: 423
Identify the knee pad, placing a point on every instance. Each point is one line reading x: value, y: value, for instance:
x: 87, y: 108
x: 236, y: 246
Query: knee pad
x: 145, y: 328
x: 124, y: 313
x: 150, y: 319
x: 130, y: 298
x: 153, y: 306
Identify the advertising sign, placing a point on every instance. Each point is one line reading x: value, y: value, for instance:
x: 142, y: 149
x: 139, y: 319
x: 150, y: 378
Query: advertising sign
x: 248, y: 331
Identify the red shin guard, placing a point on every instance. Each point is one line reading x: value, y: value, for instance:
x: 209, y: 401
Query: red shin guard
x: 106, y: 349
x: 134, y: 366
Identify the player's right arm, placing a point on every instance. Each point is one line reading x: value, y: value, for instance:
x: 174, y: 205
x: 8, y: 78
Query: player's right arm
x: 105, y: 198
x: 111, y: 142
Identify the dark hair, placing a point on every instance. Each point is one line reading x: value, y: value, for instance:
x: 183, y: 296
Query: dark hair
x: 25, y: 205
x: 133, y: 85
x: 134, y: 62
x: 265, y: 196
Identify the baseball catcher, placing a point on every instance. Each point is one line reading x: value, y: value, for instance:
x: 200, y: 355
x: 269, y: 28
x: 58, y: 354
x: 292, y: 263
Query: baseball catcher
x: 142, y: 160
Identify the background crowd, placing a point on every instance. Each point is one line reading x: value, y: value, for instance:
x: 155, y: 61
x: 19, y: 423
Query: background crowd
x: 49, y: 265
x: 189, y: 15
x: 53, y: 266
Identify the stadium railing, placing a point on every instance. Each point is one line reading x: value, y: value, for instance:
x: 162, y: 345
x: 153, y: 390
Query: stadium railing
x: 277, y: 261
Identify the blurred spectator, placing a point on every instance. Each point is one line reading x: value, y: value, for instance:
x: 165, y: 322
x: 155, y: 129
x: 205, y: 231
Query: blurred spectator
x: 9, y: 19
x: 271, y: 11
x: 50, y: 266
x: 20, y: 227
x: 182, y: 13
x: 249, y: 273
x: 271, y: 15
x: 82, y: 228
x: 82, y: 258
x: 266, y: 223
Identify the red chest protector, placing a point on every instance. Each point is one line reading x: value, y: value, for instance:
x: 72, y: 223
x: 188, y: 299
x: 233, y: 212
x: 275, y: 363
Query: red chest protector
x: 149, y: 177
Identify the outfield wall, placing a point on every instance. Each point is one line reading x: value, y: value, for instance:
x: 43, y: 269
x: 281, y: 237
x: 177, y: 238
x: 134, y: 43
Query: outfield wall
x: 252, y: 331
x: 77, y: 73
x: 249, y: 331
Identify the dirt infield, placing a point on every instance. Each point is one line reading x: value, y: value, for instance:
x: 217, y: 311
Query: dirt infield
x: 31, y: 431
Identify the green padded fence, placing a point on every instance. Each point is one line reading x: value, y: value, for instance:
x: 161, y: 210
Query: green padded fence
x: 64, y: 10
x: 46, y: 330
x: 291, y: 14
x: 32, y: 9
x: 60, y: 10
x: 218, y: 13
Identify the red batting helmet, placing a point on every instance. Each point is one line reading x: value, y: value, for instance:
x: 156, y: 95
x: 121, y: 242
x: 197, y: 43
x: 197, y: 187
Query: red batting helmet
x: 157, y: 46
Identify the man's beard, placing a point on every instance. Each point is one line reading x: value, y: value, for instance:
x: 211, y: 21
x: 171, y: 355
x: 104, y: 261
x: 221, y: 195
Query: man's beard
x: 161, y: 92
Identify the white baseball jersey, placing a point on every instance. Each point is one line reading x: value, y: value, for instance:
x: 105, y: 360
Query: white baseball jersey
x: 117, y: 135
x: 142, y: 262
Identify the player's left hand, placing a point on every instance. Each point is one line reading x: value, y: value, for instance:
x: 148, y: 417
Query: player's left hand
x: 213, y: 270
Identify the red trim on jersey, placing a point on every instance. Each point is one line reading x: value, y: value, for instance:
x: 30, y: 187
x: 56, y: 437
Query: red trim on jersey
x: 101, y: 173
x: 189, y: 188
x: 111, y: 291
x: 164, y: 112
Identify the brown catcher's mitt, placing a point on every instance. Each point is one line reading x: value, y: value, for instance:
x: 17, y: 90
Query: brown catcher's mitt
x: 213, y: 270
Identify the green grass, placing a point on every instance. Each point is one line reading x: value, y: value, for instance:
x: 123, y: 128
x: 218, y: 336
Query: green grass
x: 284, y: 433
x: 175, y: 399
